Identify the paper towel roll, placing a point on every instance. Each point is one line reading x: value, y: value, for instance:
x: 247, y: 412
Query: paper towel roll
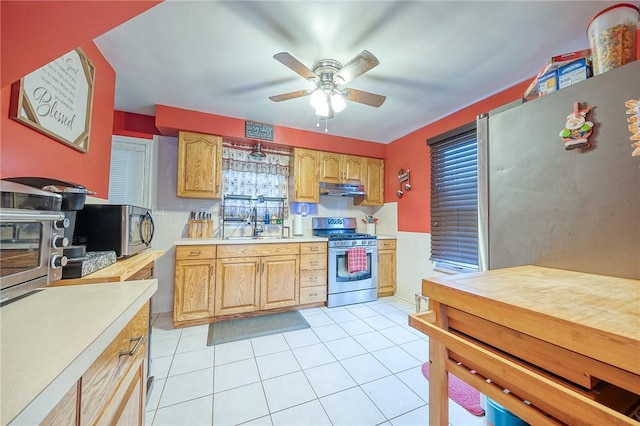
x: 297, y: 224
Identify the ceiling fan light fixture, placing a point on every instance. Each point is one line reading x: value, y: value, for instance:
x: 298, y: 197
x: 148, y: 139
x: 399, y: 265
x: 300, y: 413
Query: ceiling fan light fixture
x: 322, y: 109
x: 317, y: 99
x: 338, y: 103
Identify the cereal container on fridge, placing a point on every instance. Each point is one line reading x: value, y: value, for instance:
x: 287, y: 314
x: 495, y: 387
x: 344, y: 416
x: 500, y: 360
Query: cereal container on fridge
x: 612, y: 37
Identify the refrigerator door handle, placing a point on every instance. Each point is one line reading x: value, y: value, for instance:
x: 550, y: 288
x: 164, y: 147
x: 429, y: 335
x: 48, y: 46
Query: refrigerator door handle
x: 482, y: 126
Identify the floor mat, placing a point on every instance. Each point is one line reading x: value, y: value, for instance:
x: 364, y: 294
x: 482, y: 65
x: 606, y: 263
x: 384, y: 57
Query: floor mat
x: 464, y: 394
x: 263, y: 325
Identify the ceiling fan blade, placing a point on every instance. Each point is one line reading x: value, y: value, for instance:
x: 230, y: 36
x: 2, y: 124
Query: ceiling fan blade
x: 290, y: 95
x: 362, y: 97
x: 356, y: 67
x: 286, y: 59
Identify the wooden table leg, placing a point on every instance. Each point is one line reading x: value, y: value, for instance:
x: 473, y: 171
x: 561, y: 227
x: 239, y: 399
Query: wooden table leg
x: 438, y: 377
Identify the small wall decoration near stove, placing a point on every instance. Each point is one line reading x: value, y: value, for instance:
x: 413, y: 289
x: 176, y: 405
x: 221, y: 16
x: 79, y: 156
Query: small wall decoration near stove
x: 577, y: 129
x: 57, y: 99
x: 404, y: 176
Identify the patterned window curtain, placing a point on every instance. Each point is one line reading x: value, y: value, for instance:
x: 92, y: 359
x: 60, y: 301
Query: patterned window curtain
x: 243, y: 174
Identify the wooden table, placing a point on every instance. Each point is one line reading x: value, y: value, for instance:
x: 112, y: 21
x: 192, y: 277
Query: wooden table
x: 566, y: 345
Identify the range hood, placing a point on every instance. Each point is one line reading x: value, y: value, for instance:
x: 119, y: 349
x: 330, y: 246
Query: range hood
x: 342, y: 189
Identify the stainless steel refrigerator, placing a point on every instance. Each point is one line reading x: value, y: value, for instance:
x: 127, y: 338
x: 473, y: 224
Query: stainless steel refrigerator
x: 573, y: 209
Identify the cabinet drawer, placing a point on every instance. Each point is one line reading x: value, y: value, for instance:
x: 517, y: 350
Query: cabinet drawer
x: 146, y: 273
x: 104, y: 376
x: 314, y: 294
x: 386, y: 244
x: 313, y: 261
x: 250, y: 250
x: 311, y: 248
x: 195, y: 252
x: 313, y: 278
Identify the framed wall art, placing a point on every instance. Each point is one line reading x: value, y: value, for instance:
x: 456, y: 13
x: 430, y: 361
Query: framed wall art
x: 57, y: 99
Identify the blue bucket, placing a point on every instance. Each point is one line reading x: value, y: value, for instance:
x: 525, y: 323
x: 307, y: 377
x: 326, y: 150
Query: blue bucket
x: 497, y: 415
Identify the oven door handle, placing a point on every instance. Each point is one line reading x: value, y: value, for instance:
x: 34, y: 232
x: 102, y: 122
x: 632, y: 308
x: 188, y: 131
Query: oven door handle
x: 345, y: 250
x: 28, y: 216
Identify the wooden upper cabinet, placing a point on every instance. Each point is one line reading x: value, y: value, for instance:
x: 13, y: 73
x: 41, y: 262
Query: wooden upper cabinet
x: 199, y: 165
x: 340, y: 168
x: 373, y: 179
x: 305, y: 176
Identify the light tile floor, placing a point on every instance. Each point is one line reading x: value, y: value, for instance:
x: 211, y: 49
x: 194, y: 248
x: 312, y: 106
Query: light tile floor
x: 356, y: 365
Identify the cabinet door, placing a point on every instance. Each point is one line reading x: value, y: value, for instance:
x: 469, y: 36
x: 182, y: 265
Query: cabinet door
x: 194, y: 289
x: 386, y: 272
x: 331, y: 168
x: 373, y: 179
x: 279, y: 284
x: 352, y: 168
x: 66, y: 411
x: 199, y: 165
x: 237, y: 285
x: 106, y: 389
x: 305, y: 176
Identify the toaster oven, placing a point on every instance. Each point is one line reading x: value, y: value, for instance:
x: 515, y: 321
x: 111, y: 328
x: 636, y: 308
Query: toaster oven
x: 31, y: 240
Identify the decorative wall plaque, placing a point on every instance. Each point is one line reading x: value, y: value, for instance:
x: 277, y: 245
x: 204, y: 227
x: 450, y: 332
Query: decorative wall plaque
x: 57, y: 99
x: 255, y: 130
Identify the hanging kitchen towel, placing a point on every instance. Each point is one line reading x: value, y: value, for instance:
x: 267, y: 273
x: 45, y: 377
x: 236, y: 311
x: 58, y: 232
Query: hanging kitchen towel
x: 357, y: 259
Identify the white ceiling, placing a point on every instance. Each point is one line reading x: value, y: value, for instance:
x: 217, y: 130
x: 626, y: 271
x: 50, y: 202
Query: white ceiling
x: 436, y: 57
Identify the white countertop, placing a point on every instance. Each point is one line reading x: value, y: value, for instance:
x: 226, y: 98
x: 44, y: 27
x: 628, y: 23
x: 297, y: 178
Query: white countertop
x: 248, y: 240
x: 50, y: 338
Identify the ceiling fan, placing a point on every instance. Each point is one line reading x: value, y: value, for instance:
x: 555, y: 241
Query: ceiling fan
x: 328, y: 75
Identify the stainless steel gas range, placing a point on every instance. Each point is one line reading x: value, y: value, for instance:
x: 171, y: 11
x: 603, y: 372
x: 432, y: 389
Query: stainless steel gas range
x: 353, y: 260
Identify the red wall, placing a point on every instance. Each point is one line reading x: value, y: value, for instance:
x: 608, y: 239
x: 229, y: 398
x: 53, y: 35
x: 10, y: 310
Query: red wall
x: 26, y: 152
x: 411, y: 152
x: 169, y: 120
x: 34, y: 33
x: 134, y: 125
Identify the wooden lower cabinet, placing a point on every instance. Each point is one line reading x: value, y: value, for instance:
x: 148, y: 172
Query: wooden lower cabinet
x: 225, y: 280
x: 112, y: 390
x: 237, y: 287
x: 279, y: 282
x: 113, y: 385
x: 387, y: 268
x: 256, y: 283
x: 313, y: 273
x: 194, y: 287
x: 66, y: 411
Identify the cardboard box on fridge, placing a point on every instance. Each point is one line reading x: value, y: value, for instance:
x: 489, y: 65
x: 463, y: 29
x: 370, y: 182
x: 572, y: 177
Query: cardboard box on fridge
x: 548, y: 83
x: 574, y: 72
x: 553, y: 64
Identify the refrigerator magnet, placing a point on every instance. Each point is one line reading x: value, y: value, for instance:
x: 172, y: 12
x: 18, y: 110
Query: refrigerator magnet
x: 577, y: 129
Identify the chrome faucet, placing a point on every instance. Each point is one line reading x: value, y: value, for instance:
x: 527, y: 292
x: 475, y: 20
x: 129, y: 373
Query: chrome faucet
x: 257, y: 229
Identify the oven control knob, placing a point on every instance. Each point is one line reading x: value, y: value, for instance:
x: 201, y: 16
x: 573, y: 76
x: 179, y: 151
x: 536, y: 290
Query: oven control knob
x: 58, y: 261
x: 61, y: 224
x: 59, y: 242
x: 353, y: 243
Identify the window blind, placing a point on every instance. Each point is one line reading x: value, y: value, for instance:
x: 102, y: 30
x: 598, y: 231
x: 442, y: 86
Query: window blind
x: 454, y: 200
x: 127, y: 176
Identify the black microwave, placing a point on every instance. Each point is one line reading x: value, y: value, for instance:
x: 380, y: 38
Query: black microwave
x: 124, y: 228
